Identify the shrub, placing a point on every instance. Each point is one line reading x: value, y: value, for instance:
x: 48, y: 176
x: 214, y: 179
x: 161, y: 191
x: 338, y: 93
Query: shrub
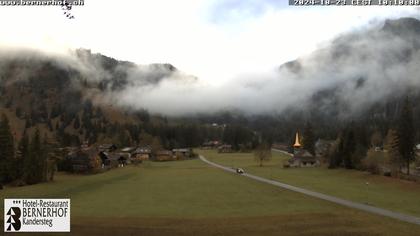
x: 372, y: 162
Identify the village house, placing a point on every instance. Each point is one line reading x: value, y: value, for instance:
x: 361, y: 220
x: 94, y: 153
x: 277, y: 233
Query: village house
x: 83, y: 160
x: 210, y: 145
x: 301, y: 157
x: 225, y: 149
x: 113, y: 160
x: 128, y: 149
x: 164, y: 155
x: 182, y: 153
x: 141, y: 154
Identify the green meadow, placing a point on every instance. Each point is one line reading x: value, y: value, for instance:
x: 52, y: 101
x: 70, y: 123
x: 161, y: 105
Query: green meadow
x: 192, y: 198
x: 380, y: 191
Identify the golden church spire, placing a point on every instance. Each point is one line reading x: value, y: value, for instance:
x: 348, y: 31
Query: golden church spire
x: 297, y: 143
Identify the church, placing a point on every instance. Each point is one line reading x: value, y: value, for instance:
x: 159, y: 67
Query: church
x: 301, y: 157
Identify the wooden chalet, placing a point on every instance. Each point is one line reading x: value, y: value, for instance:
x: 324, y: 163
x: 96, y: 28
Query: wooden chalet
x: 225, y: 149
x: 182, y: 153
x: 210, y: 145
x: 142, y: 153
x: 164, y: 155
x: 83, y: 160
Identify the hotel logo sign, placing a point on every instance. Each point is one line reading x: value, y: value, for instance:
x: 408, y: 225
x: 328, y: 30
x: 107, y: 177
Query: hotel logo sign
x: 36, y: 215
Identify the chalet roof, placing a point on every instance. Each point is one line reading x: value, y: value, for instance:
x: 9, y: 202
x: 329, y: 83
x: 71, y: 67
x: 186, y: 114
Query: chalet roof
x: 127, y: 149
x: 164, y: 152
x: 143, y: 150
x: 181, y: 150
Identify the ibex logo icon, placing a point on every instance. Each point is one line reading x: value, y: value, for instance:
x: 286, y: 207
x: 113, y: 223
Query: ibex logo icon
x: 13, y: 219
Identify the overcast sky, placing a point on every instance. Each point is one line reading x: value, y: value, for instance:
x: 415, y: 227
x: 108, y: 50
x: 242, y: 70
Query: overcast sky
x: 213, y: 39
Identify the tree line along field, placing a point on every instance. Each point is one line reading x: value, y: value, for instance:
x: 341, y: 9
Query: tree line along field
x: 192, y: 198
x: 380, y: 191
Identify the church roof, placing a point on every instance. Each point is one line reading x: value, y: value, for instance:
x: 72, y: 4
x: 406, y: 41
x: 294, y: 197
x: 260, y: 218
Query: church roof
x: 304, y: 155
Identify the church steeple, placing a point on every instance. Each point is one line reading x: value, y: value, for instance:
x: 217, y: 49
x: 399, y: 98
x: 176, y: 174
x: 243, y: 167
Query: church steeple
x: 297, y: 143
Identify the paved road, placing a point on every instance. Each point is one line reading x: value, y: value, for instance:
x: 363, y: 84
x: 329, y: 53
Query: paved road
x: 355, y: 205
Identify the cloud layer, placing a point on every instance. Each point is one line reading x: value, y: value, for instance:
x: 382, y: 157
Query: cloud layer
x: 361, y: 68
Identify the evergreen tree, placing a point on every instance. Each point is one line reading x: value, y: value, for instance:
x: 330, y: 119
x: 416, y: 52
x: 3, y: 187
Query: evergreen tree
x: 309, y: 138
x: 23, y: 154
x: 45, y: 158
x: 7, y: 151
x: 35, y: 164
x: 349, y: 148
x: 406, y: 135
x: 392, y: 146
x: 334, y: 155
x: 344, y: 150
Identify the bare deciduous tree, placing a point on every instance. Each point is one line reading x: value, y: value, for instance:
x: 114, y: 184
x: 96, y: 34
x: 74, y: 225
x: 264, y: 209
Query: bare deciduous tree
x: 262, y: 153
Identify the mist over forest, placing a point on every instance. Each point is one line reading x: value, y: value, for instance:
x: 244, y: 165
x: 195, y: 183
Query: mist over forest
x: 361, y: 75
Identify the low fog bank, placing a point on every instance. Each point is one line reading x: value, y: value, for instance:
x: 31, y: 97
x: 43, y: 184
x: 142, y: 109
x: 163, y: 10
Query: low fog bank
x: 358, y: 68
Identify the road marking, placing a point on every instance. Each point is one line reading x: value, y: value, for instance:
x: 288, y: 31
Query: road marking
x: 355, y: 205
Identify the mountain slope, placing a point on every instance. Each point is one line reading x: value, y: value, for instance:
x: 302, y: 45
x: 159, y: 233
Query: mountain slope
x: 70, y: 97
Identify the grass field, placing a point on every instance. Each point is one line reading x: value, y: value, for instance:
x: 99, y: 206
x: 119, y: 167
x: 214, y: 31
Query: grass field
x: 389, y: 193
x: 191, y: 198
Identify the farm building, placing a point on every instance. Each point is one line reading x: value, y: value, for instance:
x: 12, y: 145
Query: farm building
x: 164, y: 155
x: 84, y: 160
x: 303, y: 158
x: 210, y: 145
x: 182, y: 153
x: 141, y: 154
x: 112, y: 160
x: 225, y: 149
x: 116, y: 159
x: 128, y: 149
x: 121, y: 158
x: 144, y: 153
